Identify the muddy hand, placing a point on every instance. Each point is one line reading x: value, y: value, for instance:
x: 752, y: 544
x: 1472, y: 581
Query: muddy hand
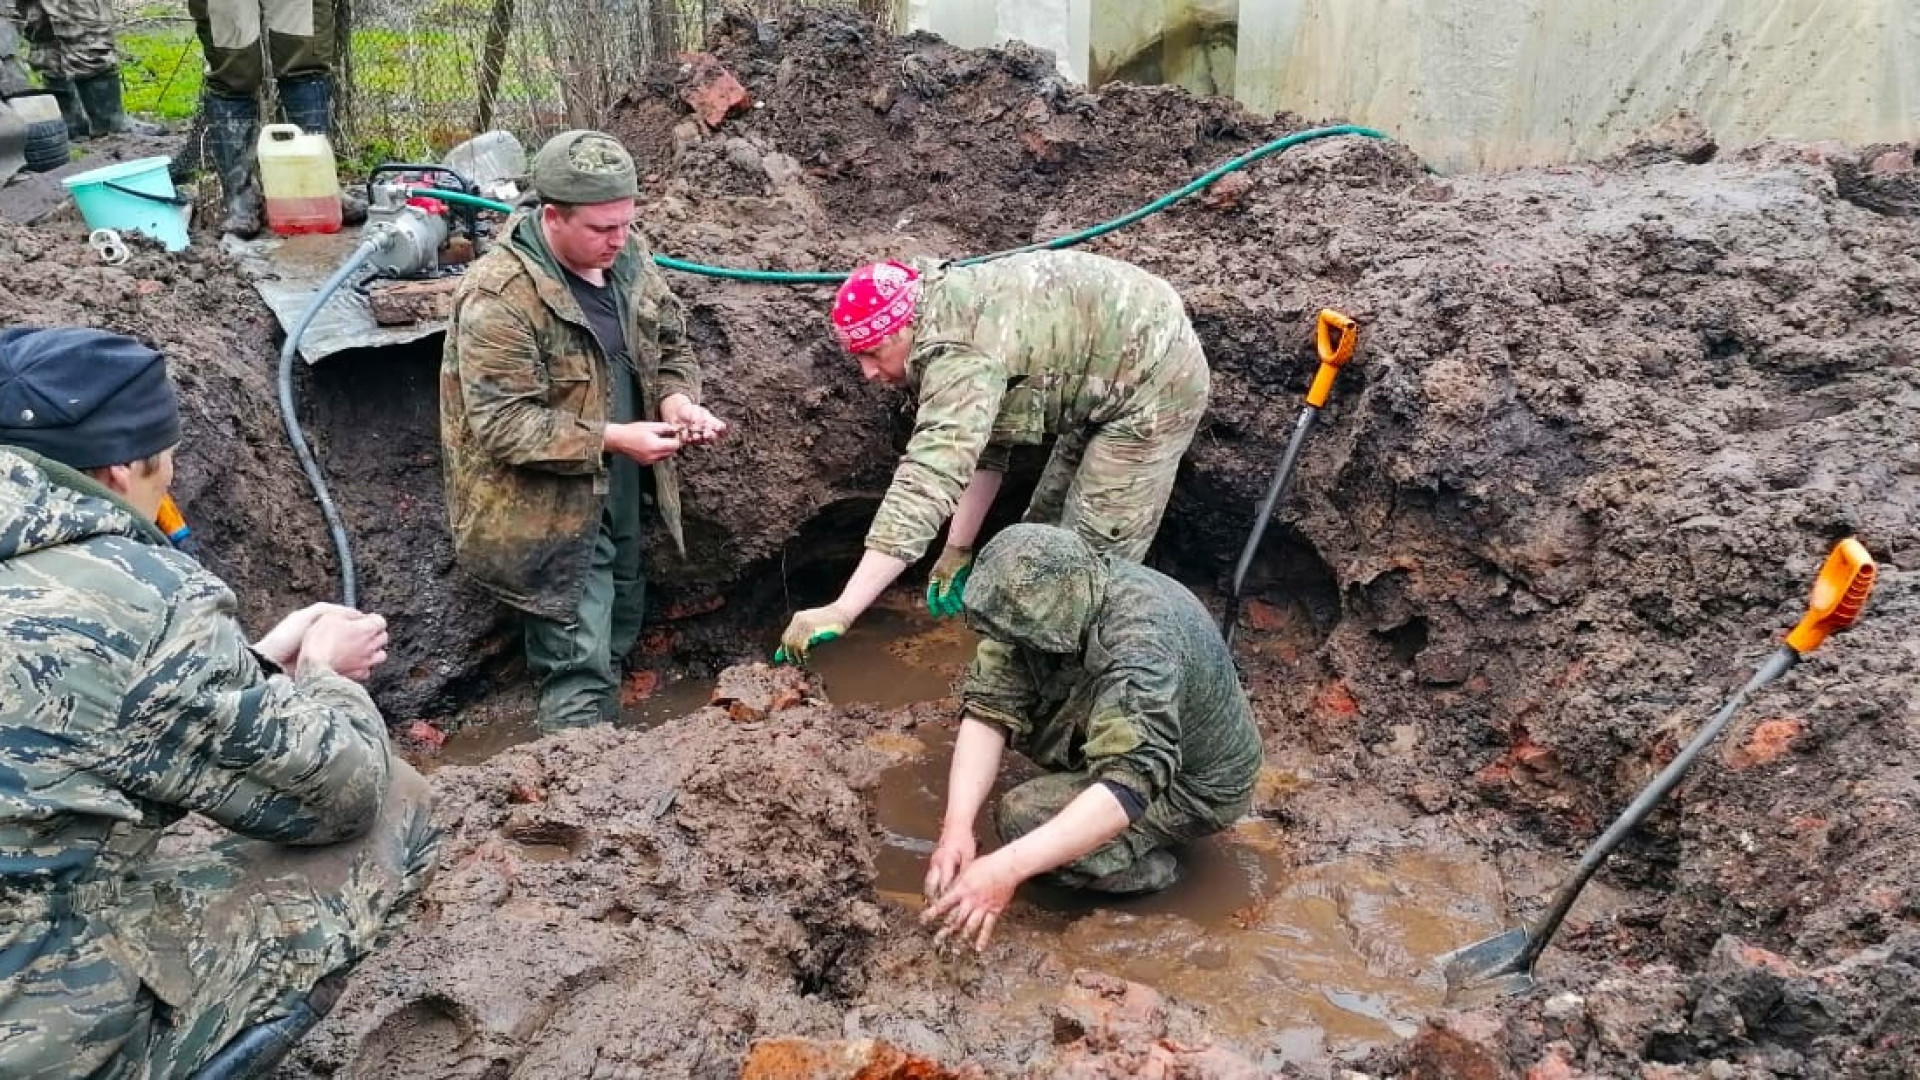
x: 694, y: 424
x: 972, y: 904
x: 948, y: 582
x: 814, y: 626
x: 949, y: 861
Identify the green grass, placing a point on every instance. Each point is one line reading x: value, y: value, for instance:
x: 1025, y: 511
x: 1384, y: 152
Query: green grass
x: 160, y: 67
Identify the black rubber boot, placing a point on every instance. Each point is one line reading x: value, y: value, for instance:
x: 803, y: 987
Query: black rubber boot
x: 254, y: 1052
x: 308, y: 101
x: 71, y: 110
x: 101, y: 94
x: 231, y: 123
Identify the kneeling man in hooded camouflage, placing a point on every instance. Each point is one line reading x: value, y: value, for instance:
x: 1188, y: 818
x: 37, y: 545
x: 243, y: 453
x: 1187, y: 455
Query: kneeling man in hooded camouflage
x: 129, y: 697
x: 1113, y: 678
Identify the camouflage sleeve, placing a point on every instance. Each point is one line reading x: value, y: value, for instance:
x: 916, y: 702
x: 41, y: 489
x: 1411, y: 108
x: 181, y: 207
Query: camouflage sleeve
x: 292, y: 761
x: 995, y: 458
x: 960, y: 392
x: 679, y: 369
x: 506, y: 389
x: 1133, y: 731
x: 999, y: 690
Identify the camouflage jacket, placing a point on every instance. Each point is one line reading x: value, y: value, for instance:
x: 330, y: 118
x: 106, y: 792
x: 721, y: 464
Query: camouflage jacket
x: 1010, y: 352
x: 128, y: 697
x: 1091, y: 662
x: 525, y: 391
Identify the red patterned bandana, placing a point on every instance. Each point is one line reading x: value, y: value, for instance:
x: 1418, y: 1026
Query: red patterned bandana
x: 874, y: 302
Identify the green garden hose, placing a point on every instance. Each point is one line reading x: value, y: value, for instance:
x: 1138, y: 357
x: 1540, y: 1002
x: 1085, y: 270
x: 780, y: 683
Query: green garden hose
x: 786, y: 277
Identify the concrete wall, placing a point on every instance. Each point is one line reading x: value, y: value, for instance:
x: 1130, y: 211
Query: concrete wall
x: 1496, y: 83
x: 1059, y: 26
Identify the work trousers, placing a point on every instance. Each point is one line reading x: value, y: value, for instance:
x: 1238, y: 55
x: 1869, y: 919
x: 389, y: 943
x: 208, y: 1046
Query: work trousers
x: 577, y: 663
x: 68, y: 39
x: 204, y: 946
x: 300, y: 41
x: 1110, y: 483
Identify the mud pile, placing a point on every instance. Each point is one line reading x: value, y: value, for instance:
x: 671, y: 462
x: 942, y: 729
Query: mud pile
x: 247, y: 502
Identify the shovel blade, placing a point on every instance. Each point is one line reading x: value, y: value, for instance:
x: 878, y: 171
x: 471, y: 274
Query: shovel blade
x: 1488, y: 969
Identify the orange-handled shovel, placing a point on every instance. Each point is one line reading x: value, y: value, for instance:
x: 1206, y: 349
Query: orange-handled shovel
x: 1337, y: 334
x: 1503, y: 965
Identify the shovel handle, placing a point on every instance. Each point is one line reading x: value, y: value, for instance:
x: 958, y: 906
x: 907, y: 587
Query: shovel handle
x: 1337, y: 336
x: 1838, y: 595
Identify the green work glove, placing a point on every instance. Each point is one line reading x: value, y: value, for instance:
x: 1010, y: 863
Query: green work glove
x: 948, y: 582
x: 807, y: 629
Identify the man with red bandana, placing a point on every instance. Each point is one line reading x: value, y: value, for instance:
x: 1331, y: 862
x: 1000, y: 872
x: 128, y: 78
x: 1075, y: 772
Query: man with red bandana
x: 1091, y: 351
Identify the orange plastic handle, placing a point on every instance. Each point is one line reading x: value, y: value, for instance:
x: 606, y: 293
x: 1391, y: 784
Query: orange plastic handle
x: 1838, y: 595
x: 1338, y: 334
x: 169, y: 518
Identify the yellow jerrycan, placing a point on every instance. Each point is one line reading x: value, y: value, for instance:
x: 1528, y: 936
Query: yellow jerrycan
x: 298, y: 180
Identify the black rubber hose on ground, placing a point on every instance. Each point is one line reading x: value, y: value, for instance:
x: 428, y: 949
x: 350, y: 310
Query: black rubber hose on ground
x: 349, y: 586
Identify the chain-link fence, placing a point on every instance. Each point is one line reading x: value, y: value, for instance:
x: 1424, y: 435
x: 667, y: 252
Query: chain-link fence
x: 420, y: 76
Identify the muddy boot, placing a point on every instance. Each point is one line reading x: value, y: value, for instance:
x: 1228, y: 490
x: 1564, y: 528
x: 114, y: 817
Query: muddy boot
x: 230, y: 129
x: 74, y: 113
x: 191, y: 160
x: 1157, y: 870
x: 308, y: 101
x: 101, y: 94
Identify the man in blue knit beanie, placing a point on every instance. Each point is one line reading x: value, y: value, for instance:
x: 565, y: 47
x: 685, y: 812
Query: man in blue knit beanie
x: 129, y: 697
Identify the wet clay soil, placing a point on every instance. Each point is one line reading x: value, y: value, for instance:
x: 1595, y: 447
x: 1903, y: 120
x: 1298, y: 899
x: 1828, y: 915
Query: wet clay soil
x: 1604, y: 422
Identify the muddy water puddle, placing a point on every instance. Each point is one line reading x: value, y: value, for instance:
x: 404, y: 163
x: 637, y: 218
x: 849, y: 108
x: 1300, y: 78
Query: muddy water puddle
x: 1305, y: 962
x: 896, y: 655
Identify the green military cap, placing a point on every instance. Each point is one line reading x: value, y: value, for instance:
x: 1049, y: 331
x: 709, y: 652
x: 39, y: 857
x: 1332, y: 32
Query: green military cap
x: 583, y: 167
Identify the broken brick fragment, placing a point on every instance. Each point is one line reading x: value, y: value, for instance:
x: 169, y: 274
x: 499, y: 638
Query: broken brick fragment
x: 848, y: 1059
x: 711, y: 89
x: 425, y: 736
x: 1769, y: 740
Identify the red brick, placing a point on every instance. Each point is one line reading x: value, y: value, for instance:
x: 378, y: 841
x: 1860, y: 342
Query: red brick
x: 1769, y: 740
x: 711, y: 89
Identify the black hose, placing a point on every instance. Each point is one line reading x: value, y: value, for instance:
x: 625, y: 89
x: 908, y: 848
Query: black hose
x: 349, y: 587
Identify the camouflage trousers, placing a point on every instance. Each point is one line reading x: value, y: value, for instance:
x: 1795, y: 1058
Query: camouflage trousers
x: 1110, y: 482
x: 299, y: 41
x: 1168, y: 821
x: 68, y: 39
x: 201, y: 947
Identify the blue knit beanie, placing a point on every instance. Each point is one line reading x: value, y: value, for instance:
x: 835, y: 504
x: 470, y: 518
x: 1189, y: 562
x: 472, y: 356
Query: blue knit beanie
x: 84, y: 398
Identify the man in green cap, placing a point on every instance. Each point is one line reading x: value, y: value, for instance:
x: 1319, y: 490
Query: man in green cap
x: 1113, y: 678
x: 566, y: 370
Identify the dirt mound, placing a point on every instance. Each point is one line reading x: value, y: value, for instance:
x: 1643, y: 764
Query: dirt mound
x: 246, y: 500
x: 656, y: 902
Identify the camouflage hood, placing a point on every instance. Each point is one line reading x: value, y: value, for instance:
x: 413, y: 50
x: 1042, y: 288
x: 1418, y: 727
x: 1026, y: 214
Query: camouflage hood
x: 1037, y: 587
x: 44, y: 504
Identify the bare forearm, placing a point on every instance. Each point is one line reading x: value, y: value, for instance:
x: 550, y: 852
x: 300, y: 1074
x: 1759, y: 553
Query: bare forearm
x: 1094, y: 817
x: 976, y: 761
x: 964, y: 528
x: 871, y: 578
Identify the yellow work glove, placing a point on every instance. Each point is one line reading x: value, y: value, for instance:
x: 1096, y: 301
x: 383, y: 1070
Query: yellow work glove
x: 948, y: 582
x: 811, y: 627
